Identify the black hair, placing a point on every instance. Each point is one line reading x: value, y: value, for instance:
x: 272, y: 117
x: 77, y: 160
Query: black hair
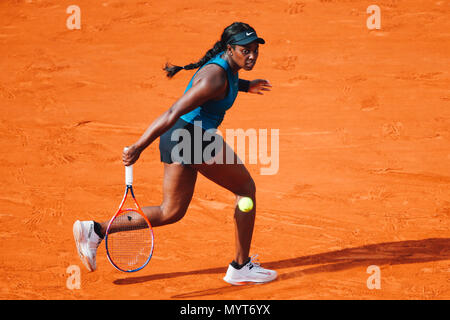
x: 221, y: 45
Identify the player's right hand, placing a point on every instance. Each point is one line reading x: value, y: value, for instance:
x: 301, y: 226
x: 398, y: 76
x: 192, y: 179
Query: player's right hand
x: 131, y: 155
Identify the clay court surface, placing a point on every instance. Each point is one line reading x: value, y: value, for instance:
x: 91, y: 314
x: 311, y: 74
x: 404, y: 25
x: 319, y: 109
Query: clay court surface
x: 364, y: 146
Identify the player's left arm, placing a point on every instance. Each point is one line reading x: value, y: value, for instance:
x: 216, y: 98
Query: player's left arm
x: 255, y: 86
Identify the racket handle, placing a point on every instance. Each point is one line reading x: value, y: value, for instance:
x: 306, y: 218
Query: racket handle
x: 128, y: 173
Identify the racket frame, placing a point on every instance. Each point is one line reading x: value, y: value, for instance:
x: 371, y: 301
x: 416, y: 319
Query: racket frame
x: 129, y: 189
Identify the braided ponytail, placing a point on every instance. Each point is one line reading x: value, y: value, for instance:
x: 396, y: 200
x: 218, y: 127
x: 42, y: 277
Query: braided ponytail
x: 172, y: 69
x: 218, y: 47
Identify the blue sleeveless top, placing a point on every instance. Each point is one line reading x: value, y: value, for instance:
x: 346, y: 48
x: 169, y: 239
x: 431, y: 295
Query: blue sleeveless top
x: 211, y: 113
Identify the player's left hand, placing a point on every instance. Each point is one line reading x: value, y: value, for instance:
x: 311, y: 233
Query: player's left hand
x: 259, y: 85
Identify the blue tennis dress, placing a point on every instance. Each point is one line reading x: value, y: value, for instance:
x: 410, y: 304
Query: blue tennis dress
x: 211, y: 113
x: 208, y: 116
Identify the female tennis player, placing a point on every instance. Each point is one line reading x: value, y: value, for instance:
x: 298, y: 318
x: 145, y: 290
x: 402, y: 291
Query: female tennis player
x: 211, y: 91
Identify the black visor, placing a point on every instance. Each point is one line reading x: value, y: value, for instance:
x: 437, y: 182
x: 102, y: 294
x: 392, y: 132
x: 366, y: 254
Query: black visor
x: 245, y: 37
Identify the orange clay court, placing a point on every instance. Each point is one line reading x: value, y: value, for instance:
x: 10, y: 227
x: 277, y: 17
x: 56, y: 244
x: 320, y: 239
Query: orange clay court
x: 364, y: 147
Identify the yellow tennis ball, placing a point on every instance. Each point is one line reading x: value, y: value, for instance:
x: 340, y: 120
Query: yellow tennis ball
x: 245, y: 204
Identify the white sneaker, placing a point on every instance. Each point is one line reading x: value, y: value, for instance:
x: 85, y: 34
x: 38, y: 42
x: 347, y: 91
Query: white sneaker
x: 87, y: 242
x: 252, y: 272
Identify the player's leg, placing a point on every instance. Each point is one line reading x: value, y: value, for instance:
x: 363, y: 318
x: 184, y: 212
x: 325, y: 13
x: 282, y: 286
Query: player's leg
x: 236, y: 178
x: 178, y: 188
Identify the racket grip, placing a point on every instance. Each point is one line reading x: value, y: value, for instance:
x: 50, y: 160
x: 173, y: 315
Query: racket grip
x: 128, y: 173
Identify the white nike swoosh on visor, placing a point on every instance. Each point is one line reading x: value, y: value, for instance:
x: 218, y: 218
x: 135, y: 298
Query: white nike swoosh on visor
x: 247, y: 34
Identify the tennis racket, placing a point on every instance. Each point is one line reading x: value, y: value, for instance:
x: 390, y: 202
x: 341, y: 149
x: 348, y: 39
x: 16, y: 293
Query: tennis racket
x: 129, y: 237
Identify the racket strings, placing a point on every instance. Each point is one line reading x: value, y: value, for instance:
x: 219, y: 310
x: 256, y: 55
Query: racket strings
x: 132, y: 246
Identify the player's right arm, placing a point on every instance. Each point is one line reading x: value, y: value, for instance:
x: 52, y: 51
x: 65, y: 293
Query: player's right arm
x: 208, y: 85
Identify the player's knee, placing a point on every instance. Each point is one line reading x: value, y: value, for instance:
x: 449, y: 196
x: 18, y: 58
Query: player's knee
x: 172, y: 215
x: 248, y: 189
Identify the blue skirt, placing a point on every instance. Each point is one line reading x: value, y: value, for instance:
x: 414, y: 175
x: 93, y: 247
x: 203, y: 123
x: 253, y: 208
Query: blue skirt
x: 187, y: 143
